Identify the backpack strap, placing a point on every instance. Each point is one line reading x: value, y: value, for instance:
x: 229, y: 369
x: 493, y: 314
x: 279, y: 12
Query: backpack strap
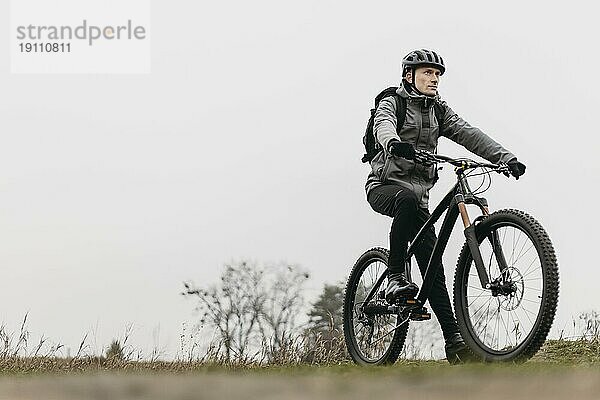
x: 439, y: 115
x: 400, y: 112
x: 438, y: 110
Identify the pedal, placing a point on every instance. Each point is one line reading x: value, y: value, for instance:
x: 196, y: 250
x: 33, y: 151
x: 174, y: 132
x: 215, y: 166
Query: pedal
x: 403, y: 301
x: 420, y: 314
x: 400, y: 301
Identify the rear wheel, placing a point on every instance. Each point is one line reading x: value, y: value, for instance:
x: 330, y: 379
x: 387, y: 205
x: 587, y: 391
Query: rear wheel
x: 371, y: 339
x: 510, y: 320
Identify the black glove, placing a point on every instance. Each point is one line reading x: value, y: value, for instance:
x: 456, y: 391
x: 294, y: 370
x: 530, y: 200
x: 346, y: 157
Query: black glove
x: 402, y: 149
x: 516, y: 168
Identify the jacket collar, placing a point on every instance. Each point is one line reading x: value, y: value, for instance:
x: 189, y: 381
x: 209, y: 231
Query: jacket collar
x: 419, y: 98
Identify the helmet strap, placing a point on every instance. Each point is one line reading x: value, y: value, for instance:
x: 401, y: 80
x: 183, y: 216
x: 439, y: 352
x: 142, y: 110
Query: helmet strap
x: 412, y: 85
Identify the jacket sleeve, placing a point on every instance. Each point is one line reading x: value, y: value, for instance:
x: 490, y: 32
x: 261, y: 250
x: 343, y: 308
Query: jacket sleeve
x: 384, y: 125
x: 472, y: 138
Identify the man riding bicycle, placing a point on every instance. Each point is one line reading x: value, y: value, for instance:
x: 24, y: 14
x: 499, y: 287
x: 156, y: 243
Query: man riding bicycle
x: 399, y: 188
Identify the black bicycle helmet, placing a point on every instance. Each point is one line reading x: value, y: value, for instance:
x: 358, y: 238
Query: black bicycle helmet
x: 421, y: 58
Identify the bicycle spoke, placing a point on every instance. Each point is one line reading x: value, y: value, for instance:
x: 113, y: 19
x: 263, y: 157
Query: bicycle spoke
x: 533, y: 279
x: 531, y: 301
x: 530, y: 271
x: 475, y: 299
x: 512, y: 254
x: 519, y: 256
x: 496, y: 327
x: 478, y: 288
x: 528, y: 313
x: 486, y: 325
x: 482, y: 315
x: 505, y: 328
x: 531, y: 288
x: 516, y: 324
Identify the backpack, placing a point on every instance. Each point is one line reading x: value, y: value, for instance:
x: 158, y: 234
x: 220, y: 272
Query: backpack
x: 372, y: 146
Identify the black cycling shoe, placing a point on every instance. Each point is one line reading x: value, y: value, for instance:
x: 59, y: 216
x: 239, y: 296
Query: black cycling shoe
x: 457, y: 351
x: 398, y: 286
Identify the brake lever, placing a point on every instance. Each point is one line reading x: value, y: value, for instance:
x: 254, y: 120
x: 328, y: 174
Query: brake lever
x: 504, y: 170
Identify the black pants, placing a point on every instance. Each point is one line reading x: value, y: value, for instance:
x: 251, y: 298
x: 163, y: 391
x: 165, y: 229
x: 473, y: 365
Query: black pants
x: 402, y: 205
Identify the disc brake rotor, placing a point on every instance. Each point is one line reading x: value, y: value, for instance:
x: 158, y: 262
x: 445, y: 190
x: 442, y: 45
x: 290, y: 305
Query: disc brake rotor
x: 514, y: 279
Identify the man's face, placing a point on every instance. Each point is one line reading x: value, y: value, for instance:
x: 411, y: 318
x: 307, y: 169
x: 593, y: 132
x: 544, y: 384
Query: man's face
x: 426, y: 80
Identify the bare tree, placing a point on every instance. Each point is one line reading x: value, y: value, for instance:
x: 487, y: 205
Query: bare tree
x: 283, y: 303
x: 251, y: 307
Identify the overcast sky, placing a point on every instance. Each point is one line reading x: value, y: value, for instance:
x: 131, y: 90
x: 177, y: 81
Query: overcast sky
x: 244, y: 142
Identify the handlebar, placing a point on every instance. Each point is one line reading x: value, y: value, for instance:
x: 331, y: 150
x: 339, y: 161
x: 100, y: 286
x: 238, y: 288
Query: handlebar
x: 427, y: 158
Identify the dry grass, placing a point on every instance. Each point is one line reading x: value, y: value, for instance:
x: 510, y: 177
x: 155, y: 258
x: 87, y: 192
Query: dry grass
x: 583, y: 353
x: 19, y: 356
x: 569, y: 352
x: 298, y: 354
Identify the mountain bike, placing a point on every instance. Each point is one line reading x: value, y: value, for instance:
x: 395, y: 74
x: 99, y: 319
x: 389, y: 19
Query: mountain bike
x: 505, y: 284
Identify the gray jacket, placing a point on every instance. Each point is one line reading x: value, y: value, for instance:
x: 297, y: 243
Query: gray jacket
x: 421, y: 129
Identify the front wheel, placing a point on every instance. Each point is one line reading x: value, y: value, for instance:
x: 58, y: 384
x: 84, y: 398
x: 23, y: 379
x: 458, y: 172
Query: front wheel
x: 510, y: 320
x: 371, y: 338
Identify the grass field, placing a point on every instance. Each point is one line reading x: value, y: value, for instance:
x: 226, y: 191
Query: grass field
x: 562, y: 370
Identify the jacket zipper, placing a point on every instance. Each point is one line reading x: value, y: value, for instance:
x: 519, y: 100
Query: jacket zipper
x: 414, y: 168
x: 421, y: 127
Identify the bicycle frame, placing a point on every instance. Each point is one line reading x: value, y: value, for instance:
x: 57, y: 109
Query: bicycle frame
x: 454, y: 203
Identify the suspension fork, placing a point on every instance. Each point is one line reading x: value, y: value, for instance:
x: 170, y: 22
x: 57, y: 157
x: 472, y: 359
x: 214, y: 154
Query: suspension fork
x: 471, y: 238
x: 494, y: 238
x: 498, y: 252
x: 470, y: 235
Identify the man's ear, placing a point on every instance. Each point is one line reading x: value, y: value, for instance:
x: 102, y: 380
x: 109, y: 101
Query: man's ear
x: 408, y: 77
